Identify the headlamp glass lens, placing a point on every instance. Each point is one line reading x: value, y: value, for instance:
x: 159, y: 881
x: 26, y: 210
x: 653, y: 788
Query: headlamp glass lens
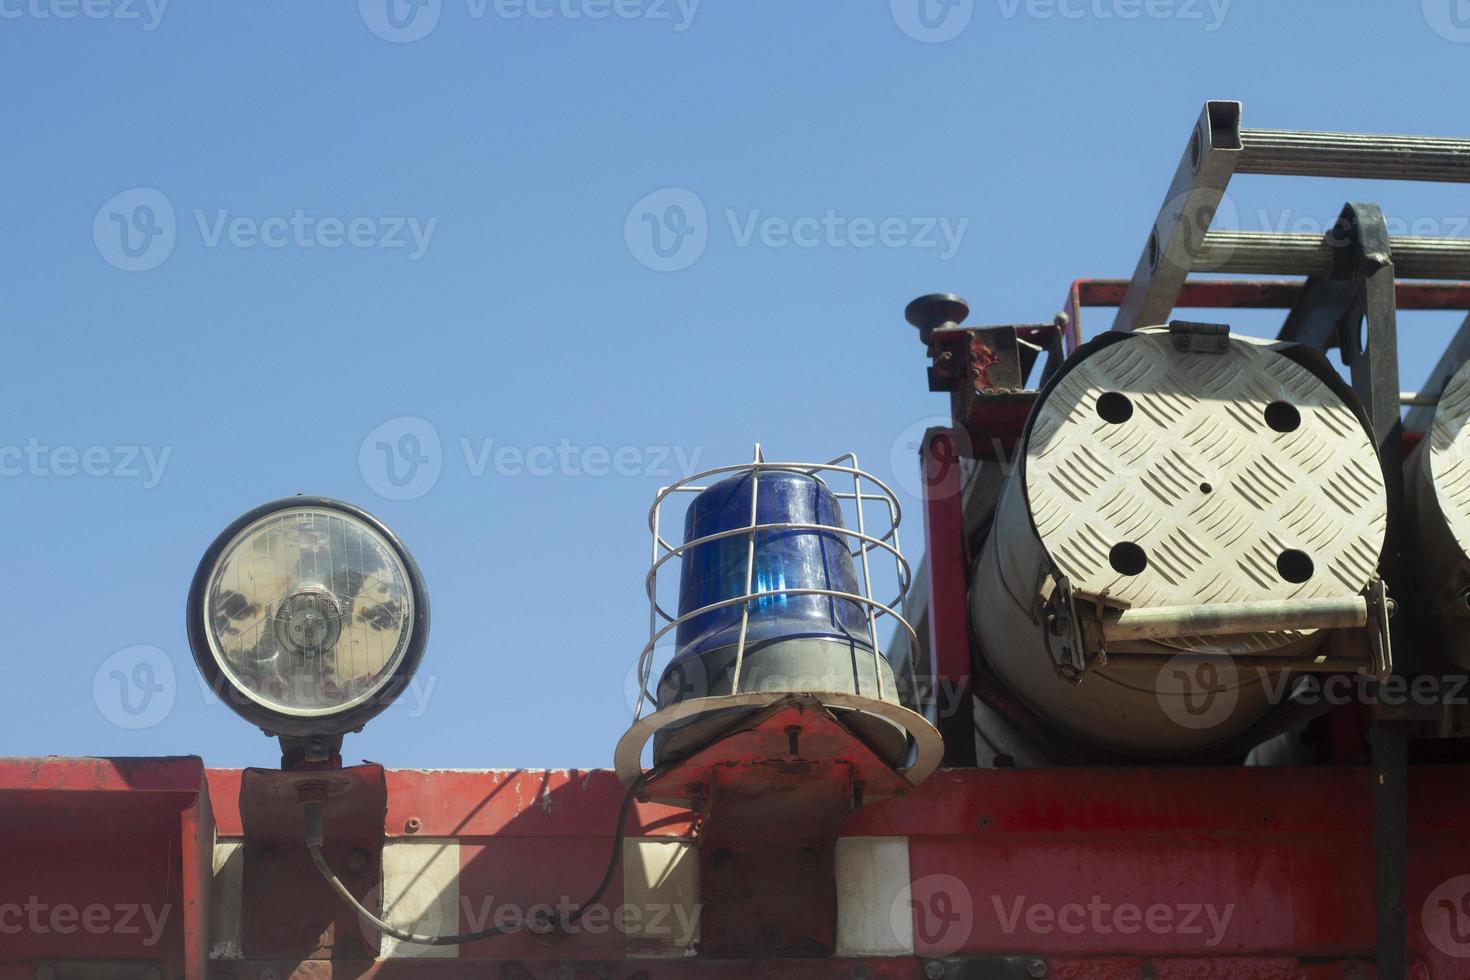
x: 309, y: 611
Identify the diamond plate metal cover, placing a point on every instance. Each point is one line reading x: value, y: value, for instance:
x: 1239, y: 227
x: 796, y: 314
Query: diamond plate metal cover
x: 1235, y: 476
x: 1449, y: 456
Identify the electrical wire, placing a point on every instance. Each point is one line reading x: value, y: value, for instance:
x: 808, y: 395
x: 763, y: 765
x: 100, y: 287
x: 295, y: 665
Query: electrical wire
x: 315, y: 838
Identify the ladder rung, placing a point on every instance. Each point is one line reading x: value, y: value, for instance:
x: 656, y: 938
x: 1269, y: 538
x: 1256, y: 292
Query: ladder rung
x: 1288, y: 254
x: 1308, y: 154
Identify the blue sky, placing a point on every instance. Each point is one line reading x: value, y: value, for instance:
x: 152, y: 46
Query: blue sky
x: 438, y: 215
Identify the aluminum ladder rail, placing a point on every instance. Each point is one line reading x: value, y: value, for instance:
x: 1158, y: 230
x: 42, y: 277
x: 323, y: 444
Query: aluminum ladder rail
x: 1219, y: 147
x: 1351, y: 283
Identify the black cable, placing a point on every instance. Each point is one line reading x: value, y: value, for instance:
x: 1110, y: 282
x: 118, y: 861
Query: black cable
x: 314, y: 840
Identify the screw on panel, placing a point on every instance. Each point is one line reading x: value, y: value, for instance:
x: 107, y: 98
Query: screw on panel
x: 412, y: 826
x: 1036, y: 969
x: 934, y: 970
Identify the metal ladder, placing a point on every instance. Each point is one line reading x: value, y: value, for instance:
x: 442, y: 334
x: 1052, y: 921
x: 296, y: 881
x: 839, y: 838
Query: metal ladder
x: 1350, y: 286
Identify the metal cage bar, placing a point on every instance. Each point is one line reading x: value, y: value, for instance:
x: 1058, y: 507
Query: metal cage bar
x: 886, y: 541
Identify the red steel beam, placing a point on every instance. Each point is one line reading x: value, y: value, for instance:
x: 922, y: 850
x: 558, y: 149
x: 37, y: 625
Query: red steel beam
x: 1260, y: 294
x: 948, y: 565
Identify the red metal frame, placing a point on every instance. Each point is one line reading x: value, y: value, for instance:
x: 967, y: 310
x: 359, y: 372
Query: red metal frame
x: 1259, y: 294
x: 947, y: 563
x: 115, y: 857
x: 1288, y: 849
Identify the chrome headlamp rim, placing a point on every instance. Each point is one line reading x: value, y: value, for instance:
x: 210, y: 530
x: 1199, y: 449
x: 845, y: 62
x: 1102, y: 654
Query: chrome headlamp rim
x: 328, y: 722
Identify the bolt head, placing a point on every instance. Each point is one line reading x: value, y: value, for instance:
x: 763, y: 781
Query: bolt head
x: 934, y: 970
x: 723, y: 859
x: 1036, y: 968
x: 358, y: 860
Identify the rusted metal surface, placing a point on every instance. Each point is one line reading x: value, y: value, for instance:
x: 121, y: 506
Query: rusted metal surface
x: 540, y: 804
x: 286, y: 908
x: 772, y: 795
x: 947, y: 563
x: 105, y: 860
x: 583, y: 969
x: 1289, y: 848
x: 954, y: 968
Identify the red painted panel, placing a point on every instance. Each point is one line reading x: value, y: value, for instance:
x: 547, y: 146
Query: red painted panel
x: 104, y: 859
x: 517, y: 878
x: 513, y: 803
x: 1137, y: 802
x: 519, y: 803
x: 1074, y: 895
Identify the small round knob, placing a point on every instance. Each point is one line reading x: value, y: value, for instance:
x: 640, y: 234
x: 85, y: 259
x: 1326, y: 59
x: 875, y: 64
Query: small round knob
x: 936, y: 310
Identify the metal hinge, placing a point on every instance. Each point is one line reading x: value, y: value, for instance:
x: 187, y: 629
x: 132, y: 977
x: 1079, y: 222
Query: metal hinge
x: 1200, y: 338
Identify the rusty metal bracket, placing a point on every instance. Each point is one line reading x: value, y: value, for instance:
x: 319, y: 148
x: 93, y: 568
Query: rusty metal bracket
x: 985, y: 369
x: 311, y: 922
x: 773, y: 794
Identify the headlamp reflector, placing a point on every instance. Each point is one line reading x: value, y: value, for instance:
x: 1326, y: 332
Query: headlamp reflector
x: 308, y: 611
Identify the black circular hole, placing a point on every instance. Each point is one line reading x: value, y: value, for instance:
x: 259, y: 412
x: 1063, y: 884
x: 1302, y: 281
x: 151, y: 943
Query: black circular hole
x: 1205, y: 488
x: 1153, y: 250
x: 1295, y: 566
x: 1283, y: 417
x: 1127, y: 558
x: 1114, y: 407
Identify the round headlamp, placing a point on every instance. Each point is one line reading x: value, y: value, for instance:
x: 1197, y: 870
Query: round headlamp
x: 307, y: 616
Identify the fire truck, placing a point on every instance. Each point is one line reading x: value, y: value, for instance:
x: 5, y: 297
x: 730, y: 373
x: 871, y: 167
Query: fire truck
x: 1176, y: 691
